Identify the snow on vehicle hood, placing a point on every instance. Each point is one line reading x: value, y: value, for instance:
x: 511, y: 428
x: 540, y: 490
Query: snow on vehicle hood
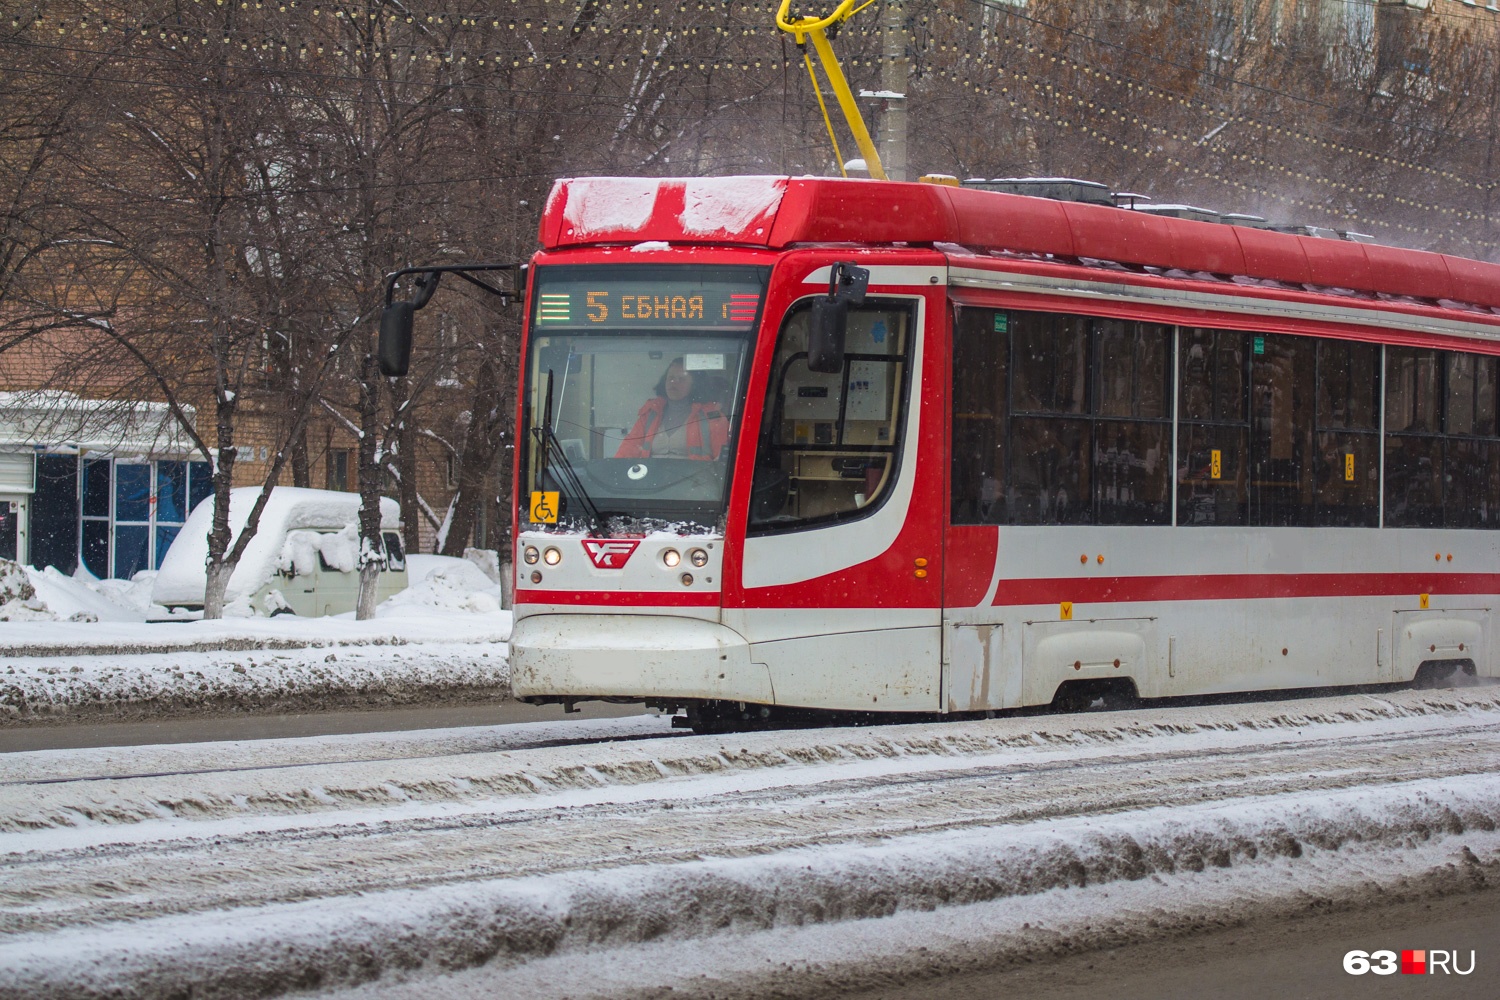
x: 290, y: 508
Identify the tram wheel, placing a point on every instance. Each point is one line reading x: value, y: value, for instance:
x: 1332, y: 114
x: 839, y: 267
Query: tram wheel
x: 1444, y: 674
x: 706, y: 717
x: 1111, y: 695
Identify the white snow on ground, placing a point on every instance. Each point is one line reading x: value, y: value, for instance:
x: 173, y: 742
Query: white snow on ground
x: 443, y: 638
x: 413, y: 745
x: 447, y: 599
x: 446, y: 583
x: 363, y: 668
x: 681, y: 770
x: 1071, y: 859
x: 914, y: 945
x: 79, y: 598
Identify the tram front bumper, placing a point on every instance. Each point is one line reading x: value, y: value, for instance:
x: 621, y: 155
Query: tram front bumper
x: 633, y: 656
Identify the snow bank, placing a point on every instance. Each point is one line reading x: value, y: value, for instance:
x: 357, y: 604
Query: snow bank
x: 46, y: 595
x: 446, y: 583
x: 198, y: 683
x: 290, y: 508
x: 18, y: 600
x: 347, y: 940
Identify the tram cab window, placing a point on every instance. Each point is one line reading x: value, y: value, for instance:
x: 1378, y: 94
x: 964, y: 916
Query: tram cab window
x: 829, y: 444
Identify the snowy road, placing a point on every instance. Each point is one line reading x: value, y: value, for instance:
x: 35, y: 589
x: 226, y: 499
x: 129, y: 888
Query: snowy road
x: 496, y: 858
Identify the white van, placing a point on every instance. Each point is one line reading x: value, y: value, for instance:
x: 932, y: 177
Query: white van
x: 304, y: 558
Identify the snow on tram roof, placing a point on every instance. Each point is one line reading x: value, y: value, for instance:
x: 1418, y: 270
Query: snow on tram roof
x: 780, y: 212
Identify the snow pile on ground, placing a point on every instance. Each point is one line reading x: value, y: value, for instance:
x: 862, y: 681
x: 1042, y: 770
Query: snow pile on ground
x: 197, y: 683
x: 18, y: 600
x: 28, y: 594
x: 445, y: 583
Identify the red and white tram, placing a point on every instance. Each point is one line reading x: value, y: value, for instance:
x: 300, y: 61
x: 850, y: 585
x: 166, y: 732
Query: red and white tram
x: 1049, y: 451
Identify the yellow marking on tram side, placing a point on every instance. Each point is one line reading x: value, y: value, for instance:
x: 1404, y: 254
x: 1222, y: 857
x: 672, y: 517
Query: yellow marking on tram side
x: 1065, y: 610
x: 1215, y: 464
x: 1349, y: 467
x: 1423, y: 599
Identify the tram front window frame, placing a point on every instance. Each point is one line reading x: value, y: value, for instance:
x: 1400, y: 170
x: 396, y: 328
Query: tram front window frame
x: 612, y: 336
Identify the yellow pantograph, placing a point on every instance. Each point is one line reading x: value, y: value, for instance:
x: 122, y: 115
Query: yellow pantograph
x: 815, y: 30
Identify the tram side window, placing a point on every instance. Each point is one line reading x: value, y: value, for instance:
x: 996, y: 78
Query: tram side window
x: 1060, y: 419
x: 1133, y: 432
x: 1213, y: 430
x: 829, y: 443
x: 1281, y: 430
x: 1051, y: 435
x: 1348, y: 434
x: 1413, y: 443
x: 1471, y: 486
x: 981, y: 362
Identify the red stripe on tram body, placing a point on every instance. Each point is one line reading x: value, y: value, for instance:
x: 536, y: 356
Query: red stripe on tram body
x: 1241, y: 587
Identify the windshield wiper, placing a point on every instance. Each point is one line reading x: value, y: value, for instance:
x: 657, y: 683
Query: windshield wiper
x: 547, y: 440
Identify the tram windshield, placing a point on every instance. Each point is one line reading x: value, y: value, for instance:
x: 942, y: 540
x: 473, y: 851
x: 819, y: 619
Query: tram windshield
x: 635, y: 384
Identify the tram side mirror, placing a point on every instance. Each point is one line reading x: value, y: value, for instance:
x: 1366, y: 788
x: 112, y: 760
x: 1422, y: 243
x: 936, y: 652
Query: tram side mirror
x: 393, y: 352
x: 394, y: 349
x: 830, y: 317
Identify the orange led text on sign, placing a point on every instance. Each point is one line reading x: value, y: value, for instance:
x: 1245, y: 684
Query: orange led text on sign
x: 644, y: 306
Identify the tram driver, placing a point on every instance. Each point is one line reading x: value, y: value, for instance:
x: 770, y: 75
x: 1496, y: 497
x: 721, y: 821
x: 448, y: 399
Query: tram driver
x: 681, y: 420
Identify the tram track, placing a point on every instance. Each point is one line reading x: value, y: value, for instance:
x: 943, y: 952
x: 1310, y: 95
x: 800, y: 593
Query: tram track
x: 108, y: 854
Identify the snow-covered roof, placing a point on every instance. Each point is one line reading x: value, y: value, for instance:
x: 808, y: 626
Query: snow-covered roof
x: 289, y: 508
x: 51, y: 417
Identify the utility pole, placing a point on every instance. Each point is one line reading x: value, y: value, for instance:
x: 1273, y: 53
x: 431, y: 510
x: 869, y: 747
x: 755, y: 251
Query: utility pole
x: 893, y: 83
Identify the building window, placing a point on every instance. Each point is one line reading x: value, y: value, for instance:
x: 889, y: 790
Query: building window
x: 337, y: 477
x: 130, y: 512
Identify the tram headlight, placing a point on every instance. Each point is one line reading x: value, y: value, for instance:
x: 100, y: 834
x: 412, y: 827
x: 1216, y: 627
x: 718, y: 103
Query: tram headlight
x: 687, y: 579
x: 552, y: 556
x: 670, y: 558
x: 530, y: 555
x: 698, y: 558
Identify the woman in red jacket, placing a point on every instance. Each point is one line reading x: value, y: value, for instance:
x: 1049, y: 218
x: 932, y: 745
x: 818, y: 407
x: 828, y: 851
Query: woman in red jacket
x: 678, y: 422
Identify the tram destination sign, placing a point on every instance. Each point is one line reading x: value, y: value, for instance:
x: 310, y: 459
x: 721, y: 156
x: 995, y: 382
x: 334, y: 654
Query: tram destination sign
x: 632, y: 303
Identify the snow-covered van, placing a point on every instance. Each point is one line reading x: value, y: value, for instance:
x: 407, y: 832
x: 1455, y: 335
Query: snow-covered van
x: 303, y: 560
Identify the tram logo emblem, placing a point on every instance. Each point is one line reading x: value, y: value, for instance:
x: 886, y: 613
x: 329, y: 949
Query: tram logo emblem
x: 609, y: 554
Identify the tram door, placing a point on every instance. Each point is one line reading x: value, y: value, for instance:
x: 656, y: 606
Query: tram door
x: 975, y: 674
x: 841, y: 587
